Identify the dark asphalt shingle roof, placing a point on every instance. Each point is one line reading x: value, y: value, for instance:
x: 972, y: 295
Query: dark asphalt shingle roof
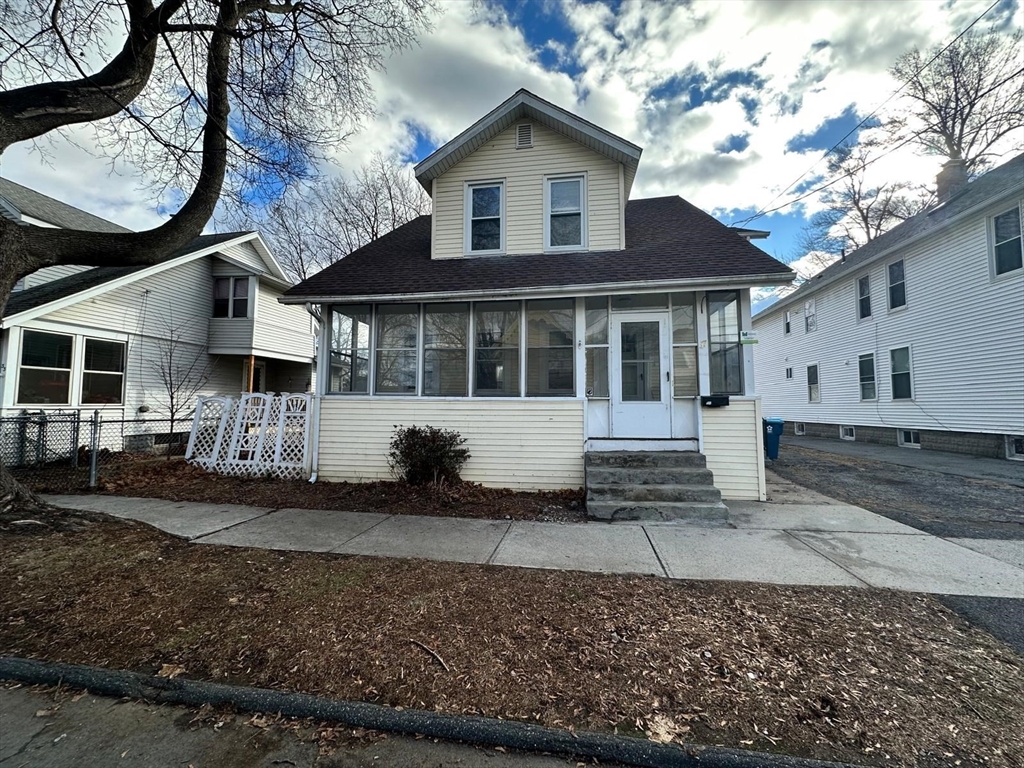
x: 39, y: 206
x: 37, y: 296
x: 997, y: 183
x: 667, y: 238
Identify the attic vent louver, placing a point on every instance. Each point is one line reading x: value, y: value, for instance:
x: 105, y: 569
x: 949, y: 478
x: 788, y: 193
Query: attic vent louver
x: 524, y: 135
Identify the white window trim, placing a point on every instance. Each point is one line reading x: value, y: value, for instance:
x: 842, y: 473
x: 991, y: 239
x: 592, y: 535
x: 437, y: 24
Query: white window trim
x: 874, y: 370
x: 888, y: 286
x: 990, y: 227
x: 1011, y: 454
x: 77, y: 371
x: 913, y: 389
x: 808, y: 385
x: 842, y: 432
x: 789, y: 373
x: 123, y: 373
x: 250, y: 305
x: 858, y: 297
x: 583, y: 246
x: 467, y: 217
x: 787, y: 322
x: 799, y: 428
x: 811, y: 315
x: 899, y: 437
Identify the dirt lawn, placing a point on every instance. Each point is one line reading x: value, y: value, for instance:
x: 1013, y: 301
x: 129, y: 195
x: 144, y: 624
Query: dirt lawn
x: 858, y: 675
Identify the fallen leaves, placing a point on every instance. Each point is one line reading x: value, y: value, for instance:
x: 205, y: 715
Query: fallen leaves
x: 170, y: 671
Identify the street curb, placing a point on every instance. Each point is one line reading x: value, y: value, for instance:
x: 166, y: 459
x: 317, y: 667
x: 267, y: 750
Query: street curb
x: 474, y: 730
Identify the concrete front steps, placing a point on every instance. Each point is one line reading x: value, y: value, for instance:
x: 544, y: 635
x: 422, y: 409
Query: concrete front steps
x: 653, y: 485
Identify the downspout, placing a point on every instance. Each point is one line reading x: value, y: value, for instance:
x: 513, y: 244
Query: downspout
x: 314, y: 432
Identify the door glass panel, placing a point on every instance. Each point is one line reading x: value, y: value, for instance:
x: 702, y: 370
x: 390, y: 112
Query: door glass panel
x: 641, y: 361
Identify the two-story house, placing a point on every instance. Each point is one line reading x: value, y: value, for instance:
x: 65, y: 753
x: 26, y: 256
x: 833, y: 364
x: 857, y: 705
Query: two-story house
x: 915, y: 339
x: 116, y: 339
x: 546, y: 317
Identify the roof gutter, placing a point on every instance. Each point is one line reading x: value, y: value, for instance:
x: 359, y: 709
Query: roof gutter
x: 593, y: 289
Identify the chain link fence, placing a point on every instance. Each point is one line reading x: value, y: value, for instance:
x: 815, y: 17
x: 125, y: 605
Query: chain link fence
x: 68, y: 452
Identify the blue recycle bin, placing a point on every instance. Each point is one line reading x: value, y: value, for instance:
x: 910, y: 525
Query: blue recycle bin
x: 772, y: 436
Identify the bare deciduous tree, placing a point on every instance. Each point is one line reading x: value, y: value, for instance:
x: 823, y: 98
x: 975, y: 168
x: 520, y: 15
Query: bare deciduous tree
x: 214, y: 99
x: 183, y: 369
x: 966, y: 102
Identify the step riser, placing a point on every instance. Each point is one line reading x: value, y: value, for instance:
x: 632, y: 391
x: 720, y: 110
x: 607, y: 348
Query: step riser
x: 649, y: 476
x: 644, y: 459
x: 705, y: 515
x: 639, y: 493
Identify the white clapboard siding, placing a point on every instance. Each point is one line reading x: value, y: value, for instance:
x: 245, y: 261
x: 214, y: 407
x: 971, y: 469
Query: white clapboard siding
x: 231, y: 335
x: 245, y: 253
x: 734, y: 447
x: 222, y: 268
x: 524, y: 171
x: 280, y: 329
x: 526, y: 444
x: 48, y: 274
x: 964, y: 329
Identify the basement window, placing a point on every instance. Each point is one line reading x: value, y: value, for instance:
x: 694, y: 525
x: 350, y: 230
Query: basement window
x: 1015, y: 447
x: 799, y: 429
x: 908, y: 438
x: 847, y: 433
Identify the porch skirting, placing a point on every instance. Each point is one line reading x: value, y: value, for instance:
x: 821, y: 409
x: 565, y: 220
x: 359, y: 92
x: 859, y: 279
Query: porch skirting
x: 734, y: 446
x: 528, y: 444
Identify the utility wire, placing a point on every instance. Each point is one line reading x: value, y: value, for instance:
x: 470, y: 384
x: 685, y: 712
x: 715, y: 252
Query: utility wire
x: 853, y: 130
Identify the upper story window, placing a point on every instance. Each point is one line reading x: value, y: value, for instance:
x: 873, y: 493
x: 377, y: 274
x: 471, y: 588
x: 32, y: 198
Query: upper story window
x: 231, y: 297
x: 810, y: 316
x: 787, y: 322
x: 564, y: 213
x: 1006, y: 242
x: 485, y: 217
x: 900, y: 372
x: 864, y: 298
x: 897, y: 285
x: 866, y: 372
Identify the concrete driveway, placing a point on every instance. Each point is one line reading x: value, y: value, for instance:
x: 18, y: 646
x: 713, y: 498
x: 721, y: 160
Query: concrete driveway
x: 805, y: 538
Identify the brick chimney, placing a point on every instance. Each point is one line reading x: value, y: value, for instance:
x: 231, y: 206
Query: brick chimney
x: 951, y: 179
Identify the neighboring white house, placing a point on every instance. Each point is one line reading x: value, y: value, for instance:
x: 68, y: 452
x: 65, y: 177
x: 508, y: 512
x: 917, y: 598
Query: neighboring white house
x: 542, y: 316
x: 916, y: 339
x: 83, y: 338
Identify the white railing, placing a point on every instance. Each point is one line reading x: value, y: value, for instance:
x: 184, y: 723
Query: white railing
x: 253, y: 435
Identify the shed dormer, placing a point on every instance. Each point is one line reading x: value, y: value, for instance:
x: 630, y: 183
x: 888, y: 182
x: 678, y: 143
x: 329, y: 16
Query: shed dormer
x: 529, y: 178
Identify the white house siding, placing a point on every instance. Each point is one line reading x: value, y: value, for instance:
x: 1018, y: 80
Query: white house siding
x: 280, y: 329
x: 963, y: 327
x: 231, y: 335
x: 49, y: 274
x: 245, y: 253
x: 734, y: 448
x: 523, y: 171
x: 526, y: 444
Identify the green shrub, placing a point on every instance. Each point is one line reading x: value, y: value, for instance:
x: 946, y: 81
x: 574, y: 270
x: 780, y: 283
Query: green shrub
x: 421, y: 455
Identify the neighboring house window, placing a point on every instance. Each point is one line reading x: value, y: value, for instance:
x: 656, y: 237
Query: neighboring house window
x: 813, y: 387
x: 1015, y: 447
x: 597, y: 346
x: 550, y: 326
x: 496, y: 328
x: 810, y: 316
x: 1006, y: 242
x: 724, y: 351
x: 44, y: 377
x: 799, y: 428
x: 231, y: 297
x: 863, y: 298
x: 866, y: 370
x: 902, y: 386
x: 684, y: 345
x: 847, y: 433
x: 897, y: 285
x: 398, y: 327
x: 565, y: 217
x: 445, y: 349
x: 484, y: 217
x: 103, y: 372
x: 349, y: 350
x: 787, y: 322
x: 909, y: 438
x: 789, y: 373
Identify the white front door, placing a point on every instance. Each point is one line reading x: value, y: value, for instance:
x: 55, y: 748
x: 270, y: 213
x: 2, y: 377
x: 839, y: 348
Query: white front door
x: 641, y: 386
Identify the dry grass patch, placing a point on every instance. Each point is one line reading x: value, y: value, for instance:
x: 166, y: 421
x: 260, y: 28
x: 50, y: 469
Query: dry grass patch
x: 844, y: 674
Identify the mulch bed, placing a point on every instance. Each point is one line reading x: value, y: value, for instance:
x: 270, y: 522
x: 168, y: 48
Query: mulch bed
x: 175, y: 480
x: 864, y: 676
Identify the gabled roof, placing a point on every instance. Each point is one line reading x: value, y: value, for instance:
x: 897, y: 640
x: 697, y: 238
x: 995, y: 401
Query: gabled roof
x: 524, y: 104
x: 998, y: 183
x: 66, y: 287
x: 668, y: 242
x: 28, y: 202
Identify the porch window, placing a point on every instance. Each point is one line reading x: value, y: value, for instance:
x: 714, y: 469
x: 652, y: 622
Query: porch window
x: 231, y: 297
x: 866, y: 370
x: 350, y: 350
x: 902, y: 386
x: 897, y: 285
x: 398, y: 330
x: 550, y: 326
x: 724, y: 350
x: 485, y: 217
x: 1006, y: 242
x: 597, y: 346
x: 813, y: 387
x: 496, y: 328
x: 103, y: 372
x: 684, y: 345
x: 445, y: 349
x: 864, y: 298
x: 44, y: 377
x: 565, y: 214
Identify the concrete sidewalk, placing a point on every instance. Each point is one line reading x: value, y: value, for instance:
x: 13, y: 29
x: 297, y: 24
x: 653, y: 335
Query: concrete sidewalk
x: 800, y: 538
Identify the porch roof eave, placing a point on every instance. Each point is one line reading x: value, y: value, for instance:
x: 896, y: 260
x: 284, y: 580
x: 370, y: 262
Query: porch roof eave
x: 724, y: 282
